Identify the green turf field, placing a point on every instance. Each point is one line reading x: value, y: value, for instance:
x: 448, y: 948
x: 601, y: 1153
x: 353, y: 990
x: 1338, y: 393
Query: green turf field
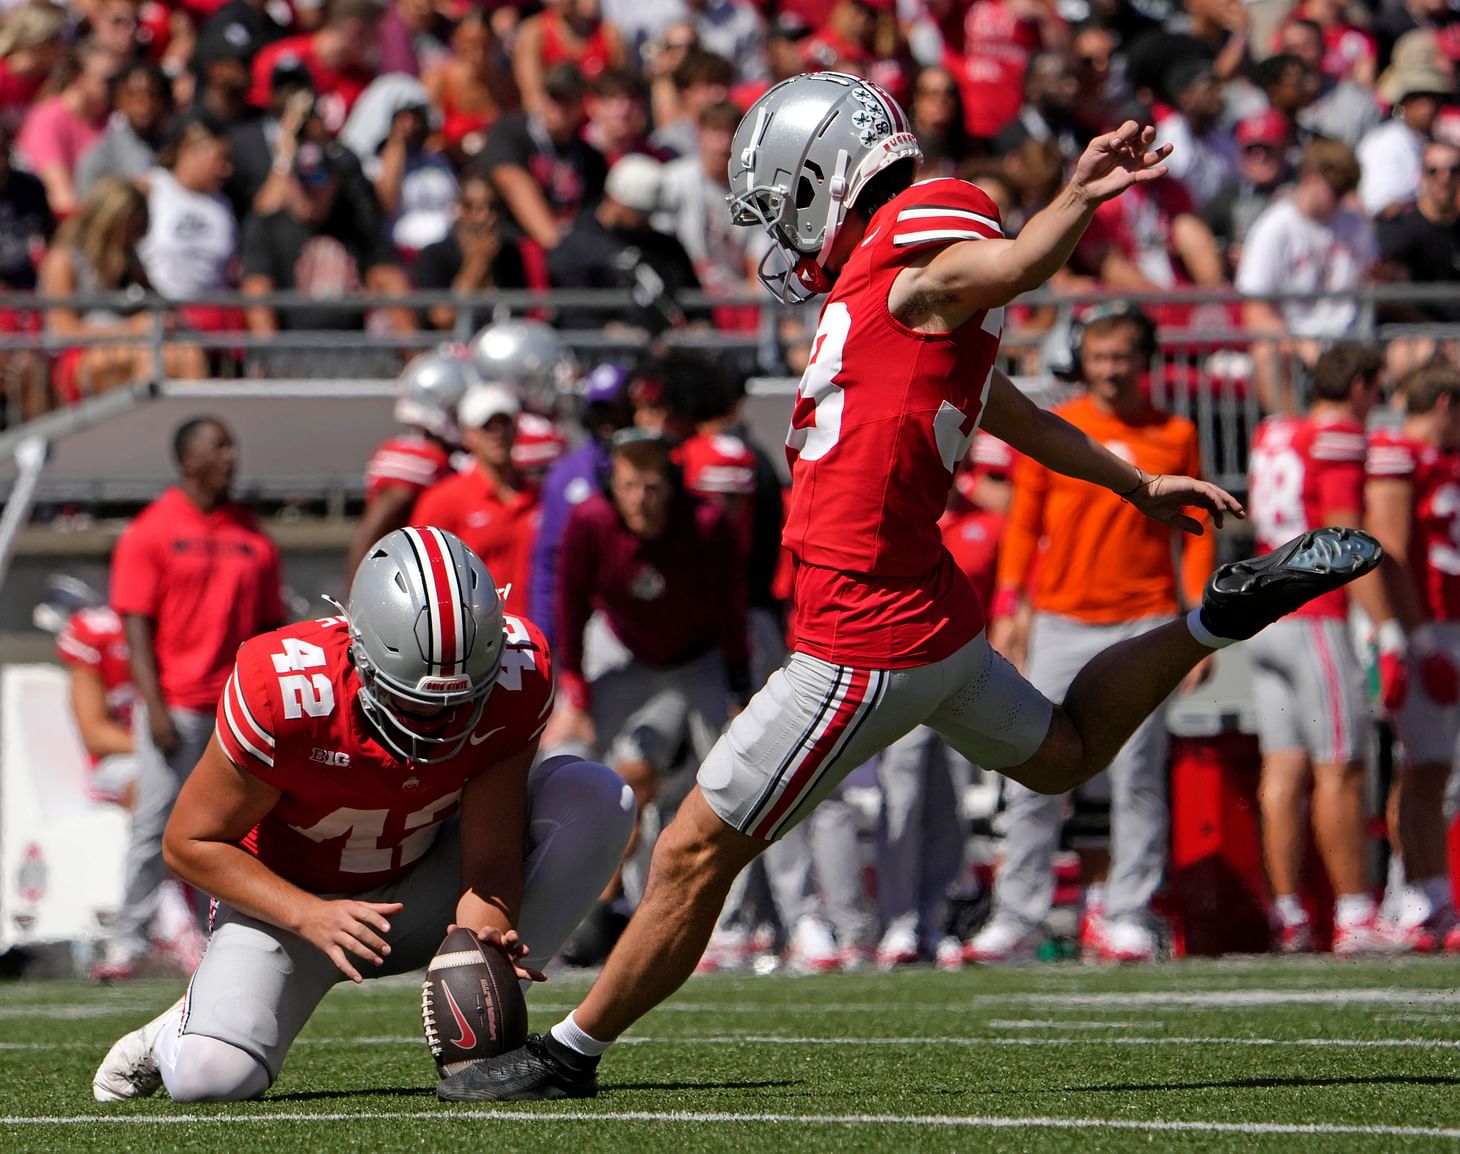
x: 1250, y: 1056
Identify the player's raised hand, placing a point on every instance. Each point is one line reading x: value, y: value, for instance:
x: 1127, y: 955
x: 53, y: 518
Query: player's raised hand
x: 342, y: 927
x: 1166, y: 497
x: 1113, y: 162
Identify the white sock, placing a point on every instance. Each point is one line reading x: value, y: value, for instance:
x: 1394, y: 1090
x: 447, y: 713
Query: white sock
x: 1204, y: 635
x: 1290, y: 909
x: 570, y: 1034
x: 1095, y: 897
x: 1353, y: 910
x: 1437, y: 892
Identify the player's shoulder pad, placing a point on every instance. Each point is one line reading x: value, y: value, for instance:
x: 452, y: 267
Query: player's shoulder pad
x: 1338, y: 442
x: 941, y: 211
x: 89, y: 631
x: 526, y: 674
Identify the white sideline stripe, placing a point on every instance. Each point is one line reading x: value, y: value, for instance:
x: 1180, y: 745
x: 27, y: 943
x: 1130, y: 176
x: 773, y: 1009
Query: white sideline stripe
x: 1072, y: 1024
x: 976, y: 1122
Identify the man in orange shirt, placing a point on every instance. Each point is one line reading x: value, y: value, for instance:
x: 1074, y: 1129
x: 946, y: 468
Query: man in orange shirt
x: 492, y: 507
x: 1083, y: 603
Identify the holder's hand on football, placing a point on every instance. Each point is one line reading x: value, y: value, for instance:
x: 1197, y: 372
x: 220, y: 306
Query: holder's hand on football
x: 511, y: 945
x: 1113, y: 162
x: 345, y: 926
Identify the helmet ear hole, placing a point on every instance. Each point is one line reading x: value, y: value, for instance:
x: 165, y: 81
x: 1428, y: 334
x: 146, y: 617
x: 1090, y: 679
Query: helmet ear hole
x: 805, y: 192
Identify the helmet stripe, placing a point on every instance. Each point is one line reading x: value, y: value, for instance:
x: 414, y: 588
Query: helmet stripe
x: 433, y: 630
x: 445, y: 608
x: 453, y: 610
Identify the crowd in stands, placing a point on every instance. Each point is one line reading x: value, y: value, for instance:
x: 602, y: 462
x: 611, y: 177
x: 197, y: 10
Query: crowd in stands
x: 335, y: 149
x: 186, y: 148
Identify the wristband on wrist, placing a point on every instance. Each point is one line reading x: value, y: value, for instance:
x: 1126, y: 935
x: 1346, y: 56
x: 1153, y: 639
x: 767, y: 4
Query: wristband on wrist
x: 1006, y: 602
x: 1141, y: 482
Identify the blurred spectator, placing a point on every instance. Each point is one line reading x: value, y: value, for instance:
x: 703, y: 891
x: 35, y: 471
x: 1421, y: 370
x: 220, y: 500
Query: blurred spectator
x: 732, y: 29
x: 193, y: 577
x: 405, y: 465
x: 784, y: 39
x: 114, y: 26
x: 128, y: 148
x: 1421, y: 242
x: 26, y: 223
x: 616, y: 246
x: 1346, y: 52
x: 1390, y: 154
x: 565, y: 32
x: 265, y: 146
x: 57, y: 131
x: 1074, y: 616
x: 338, y: 57
x: 326, y: 242
x: 863, y: 37
x: 471, y: 87
x: 408, y: 38
x: 1413, y: 471
x: 988, y: 46
x: 220, y: 72
x: 537, y: 447
x: 692, y: 208
x: 1393, y: 22
x: 1048, y: 110
x: 475, y: 256
x: 700, y: 80
x: 542, y: 169
x: 1262, y: 168
x: 246, y: 26
x: 1203, y: 153
x: 1304, y: 243
x: 31, y: 48
x: 191, y: 246
x: 603, y: 409
x: 389, y: 132
x: 1094, y: 48
x: 490, y: 505
x: 1343, y: 110
x: 1290, y: 86
x: 618, y: 115
x: 936, y: 113
x: 1307, y: 684
x: 96, y: 252
x: 660, y: 58
x: 665, y: 575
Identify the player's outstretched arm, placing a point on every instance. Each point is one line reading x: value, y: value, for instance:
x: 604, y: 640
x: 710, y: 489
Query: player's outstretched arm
x: 1058, y: 445
x: 493, y: 818
x: 217, y: 807
x: 984, y: 274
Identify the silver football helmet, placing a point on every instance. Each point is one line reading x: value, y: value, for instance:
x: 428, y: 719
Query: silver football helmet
x: 527, y: 355
x: 431, y: 386
x: 800, y: 157
x: 426, y: 636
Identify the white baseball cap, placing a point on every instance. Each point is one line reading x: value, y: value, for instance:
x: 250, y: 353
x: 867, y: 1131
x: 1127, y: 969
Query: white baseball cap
x: 483, y: 402
x: 635, y: 182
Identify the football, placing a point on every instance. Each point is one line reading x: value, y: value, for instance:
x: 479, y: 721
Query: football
x: 471, y: 1003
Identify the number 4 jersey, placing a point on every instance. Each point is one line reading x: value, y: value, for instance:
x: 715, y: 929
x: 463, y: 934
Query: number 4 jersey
x: 883, y: 416
x: 351, y: 815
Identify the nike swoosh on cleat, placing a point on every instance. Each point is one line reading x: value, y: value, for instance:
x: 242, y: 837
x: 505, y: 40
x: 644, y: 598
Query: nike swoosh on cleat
x: 478, y: 738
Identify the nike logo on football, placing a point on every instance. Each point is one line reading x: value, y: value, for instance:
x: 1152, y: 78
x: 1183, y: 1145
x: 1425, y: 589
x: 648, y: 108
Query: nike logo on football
x: 468, y: 1038
x: 478, y: 738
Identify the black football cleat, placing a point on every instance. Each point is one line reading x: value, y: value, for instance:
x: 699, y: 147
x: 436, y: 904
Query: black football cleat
x: 541, y: 1068
x: 1243, y: 598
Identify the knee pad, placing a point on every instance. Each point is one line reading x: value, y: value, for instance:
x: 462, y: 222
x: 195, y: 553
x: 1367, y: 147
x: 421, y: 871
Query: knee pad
x: 197, y: 1068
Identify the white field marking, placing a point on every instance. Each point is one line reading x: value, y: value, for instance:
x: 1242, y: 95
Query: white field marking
x: 973, y: 1122
x: 70, y: 1013
x: 1071, y: 1024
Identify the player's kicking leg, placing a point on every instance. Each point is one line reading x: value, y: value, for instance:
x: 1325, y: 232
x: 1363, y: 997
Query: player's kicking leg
x: 699, y: 854
x: 1118, y: 688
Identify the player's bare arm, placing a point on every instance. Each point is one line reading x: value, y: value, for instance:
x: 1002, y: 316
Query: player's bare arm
x: 493, y: 819
x: 1388, y: 515
x: 1058, y: 445
x: 983, y: 274
x: 217, y: 807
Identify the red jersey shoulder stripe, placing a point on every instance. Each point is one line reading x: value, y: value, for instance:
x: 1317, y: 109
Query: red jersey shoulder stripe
x: 1331, y: 445
x: 1390, y: 460
x: 240, y: 733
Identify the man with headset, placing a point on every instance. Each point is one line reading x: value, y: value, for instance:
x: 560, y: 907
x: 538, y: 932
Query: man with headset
x: 1105, y: 573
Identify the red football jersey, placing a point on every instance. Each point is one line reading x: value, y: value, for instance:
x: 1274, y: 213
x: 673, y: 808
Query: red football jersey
x: 352, y: 815
x: 1303, y: 470
x: 409, y: 460
x: 94, y: 639
x: 883, y: 416
x: 1434, y: 538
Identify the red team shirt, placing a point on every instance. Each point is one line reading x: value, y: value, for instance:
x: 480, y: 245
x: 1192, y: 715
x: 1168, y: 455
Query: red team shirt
x: 883, y: 416
x: 1303, y: 470
x: 408, y: 460
x: 94, y: 639
x: 500, y: 532
x: 1434, y: 539
x: 352, y: 815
